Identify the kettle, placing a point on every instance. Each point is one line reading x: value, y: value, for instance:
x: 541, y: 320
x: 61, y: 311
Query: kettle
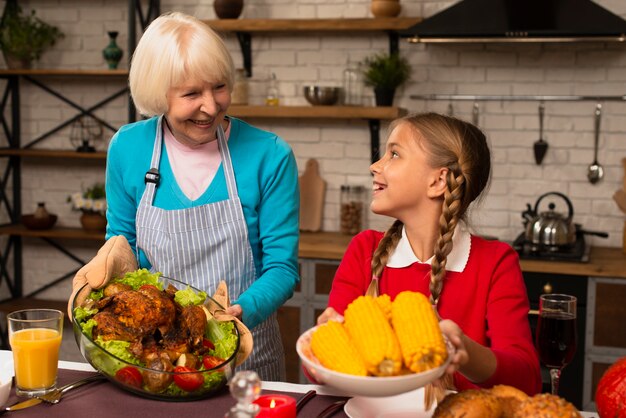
x: 550, y: 228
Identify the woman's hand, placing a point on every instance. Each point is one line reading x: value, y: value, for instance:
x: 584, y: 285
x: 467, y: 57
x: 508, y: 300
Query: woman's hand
x: 328, y: 314
x: 454, y: 334
x: 234, y: 310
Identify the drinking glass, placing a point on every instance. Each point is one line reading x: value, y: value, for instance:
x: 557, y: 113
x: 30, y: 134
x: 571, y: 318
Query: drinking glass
x: 556, y: 334
x: 35, y: 339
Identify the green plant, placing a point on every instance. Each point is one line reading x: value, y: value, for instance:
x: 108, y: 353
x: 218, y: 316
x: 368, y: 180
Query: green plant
x: 25, y: 36
x: 387, y: 71
x: 91, y: 200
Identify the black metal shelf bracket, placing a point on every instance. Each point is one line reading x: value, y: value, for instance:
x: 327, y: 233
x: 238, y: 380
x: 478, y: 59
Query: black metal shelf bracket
x: 394, y: 42
x: 245, y: 43
x: 374, y: 125
x: 82, y: 111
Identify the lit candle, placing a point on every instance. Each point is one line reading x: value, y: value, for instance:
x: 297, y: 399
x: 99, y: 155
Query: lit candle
x: 276, y: 406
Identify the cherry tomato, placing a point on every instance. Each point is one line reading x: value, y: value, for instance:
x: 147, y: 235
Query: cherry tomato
x: 129, y: 376
x: 186, y: 380
x: 210, y: 362
x: 206, y: 343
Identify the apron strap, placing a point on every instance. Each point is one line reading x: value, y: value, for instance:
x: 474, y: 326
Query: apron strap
x: 229, y: 173
x: 152, y: 175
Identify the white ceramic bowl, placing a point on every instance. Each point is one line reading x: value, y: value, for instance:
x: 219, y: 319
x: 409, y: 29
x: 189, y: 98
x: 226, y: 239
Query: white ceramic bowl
x: 364, y: 385
x: 6, y: 379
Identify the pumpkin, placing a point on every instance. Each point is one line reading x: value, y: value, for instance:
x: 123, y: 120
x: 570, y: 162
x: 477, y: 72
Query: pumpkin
x: 611, y: 392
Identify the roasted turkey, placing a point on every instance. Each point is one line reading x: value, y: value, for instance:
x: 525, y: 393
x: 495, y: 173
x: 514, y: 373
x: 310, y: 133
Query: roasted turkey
x: 158, y: 329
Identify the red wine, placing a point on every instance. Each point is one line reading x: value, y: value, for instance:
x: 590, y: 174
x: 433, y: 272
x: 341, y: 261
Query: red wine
x: 556, y: 339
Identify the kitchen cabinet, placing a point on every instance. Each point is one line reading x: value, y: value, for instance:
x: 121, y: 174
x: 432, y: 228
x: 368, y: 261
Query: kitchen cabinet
x: 605, y: 339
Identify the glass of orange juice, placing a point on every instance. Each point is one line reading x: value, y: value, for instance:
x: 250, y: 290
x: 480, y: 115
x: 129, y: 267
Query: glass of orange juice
x: 35, y: 338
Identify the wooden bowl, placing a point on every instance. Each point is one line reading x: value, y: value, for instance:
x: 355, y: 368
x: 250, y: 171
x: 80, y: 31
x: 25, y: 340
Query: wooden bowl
x: 31, y: 222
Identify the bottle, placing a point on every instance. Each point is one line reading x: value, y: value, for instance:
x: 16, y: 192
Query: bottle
x: 271, y: 98
x: 352, y: 86
x: 351, y: 212
x: 240, y: 88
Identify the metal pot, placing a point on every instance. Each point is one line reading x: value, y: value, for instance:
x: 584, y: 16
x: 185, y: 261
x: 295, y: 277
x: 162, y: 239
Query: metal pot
x: 550, y: 228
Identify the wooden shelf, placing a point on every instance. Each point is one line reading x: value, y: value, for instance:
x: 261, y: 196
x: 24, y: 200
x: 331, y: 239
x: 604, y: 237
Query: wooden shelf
x: 318, y: 112
x: 313, y: 25
x: 55, y: 232
x: 66, y: 72
x: 45, y: 153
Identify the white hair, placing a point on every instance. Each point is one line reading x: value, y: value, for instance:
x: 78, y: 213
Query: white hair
x: 174, y: 48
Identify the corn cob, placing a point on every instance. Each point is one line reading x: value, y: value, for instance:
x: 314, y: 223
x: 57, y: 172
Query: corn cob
x: 384, y: 302
x: 373, y: 337
x: 332, y: 347
x: 420, y: 338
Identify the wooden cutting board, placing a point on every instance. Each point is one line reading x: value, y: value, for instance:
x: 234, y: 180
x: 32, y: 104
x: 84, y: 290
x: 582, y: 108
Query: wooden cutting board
x: 312, y: 189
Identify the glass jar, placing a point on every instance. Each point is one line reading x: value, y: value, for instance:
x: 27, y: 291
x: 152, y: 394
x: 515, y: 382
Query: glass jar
x: 351, y: 212
x: 240, y: 88
x: 352, y: 86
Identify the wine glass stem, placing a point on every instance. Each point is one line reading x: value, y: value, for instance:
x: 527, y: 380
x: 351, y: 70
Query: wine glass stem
x: 555, y: 375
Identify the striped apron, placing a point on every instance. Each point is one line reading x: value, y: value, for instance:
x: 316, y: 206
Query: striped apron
x: 205, y: 244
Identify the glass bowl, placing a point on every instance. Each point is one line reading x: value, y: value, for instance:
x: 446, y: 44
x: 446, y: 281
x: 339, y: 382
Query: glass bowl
x: 368, y: 386
x: 124, y: 373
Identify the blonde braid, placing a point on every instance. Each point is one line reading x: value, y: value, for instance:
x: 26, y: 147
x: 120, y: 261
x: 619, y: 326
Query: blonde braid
x: 447, y: 223
x: 385, y: 246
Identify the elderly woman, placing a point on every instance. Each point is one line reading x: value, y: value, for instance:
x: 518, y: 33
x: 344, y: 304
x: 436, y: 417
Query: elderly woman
x: 200, y: 195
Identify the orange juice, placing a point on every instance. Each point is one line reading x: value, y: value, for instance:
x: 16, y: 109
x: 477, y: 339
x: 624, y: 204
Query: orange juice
x: 36, y: 357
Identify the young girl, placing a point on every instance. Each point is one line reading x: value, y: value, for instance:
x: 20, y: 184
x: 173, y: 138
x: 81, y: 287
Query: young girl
x: 433, y: 168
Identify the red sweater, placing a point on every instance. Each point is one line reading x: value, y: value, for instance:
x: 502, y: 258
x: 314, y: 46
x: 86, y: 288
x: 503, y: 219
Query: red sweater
x: 488, y: 300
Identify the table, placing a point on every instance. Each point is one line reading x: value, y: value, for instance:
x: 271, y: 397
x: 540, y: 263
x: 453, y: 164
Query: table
x: 105, y: 399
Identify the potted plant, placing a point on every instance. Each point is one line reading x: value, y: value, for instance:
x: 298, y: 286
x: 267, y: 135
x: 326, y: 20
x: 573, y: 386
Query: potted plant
x: 93, y: 205
x: 24, y: 37
x: 385, y: 73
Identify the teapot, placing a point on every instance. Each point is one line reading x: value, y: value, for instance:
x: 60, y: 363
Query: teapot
x: 550, y: 228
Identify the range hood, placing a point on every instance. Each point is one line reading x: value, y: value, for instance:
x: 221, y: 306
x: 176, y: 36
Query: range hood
x: 520, y: 21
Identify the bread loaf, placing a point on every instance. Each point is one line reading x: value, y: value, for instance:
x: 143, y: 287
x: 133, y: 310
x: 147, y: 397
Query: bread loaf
x: 510, y: 399
x: 545, y: 405
x: 503, y: 401
x: 471, y: 403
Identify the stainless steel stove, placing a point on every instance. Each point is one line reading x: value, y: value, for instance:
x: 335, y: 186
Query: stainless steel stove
x: 578, y: 252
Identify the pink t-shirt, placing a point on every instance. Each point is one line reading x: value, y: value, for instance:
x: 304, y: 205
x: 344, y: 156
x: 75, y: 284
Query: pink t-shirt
x: 194, y: 169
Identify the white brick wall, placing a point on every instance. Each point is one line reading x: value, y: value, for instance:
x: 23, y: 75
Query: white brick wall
x: 342, y: 147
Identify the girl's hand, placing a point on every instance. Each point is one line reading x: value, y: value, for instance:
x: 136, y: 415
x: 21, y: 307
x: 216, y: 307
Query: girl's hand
x: 328, y: 314
x: 454, y: 334
x: 234, y: 310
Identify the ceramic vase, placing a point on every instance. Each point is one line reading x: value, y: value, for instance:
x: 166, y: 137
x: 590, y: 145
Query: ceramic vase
x: 228, y: 9
x: 93, y: 222
x: 112, y: 53
x: 385, y: 8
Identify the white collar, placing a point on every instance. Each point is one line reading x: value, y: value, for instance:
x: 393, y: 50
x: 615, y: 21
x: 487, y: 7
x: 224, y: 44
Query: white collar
x: 403, y: 255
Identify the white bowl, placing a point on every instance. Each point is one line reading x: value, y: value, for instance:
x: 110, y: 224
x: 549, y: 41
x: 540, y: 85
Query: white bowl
x: 365, y: 385
x: 6, y: 380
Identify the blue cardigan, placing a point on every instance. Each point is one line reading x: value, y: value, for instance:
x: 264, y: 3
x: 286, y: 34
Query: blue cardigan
x: 267, y: 180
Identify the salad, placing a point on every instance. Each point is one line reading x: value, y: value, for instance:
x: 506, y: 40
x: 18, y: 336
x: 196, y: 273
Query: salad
x: 156, y: 339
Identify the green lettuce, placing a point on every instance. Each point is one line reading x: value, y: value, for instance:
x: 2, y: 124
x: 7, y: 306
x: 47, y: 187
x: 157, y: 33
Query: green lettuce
x: 88, y: 325
x: 138, y: 278
x: 223, y: 337
x: 189, y: 297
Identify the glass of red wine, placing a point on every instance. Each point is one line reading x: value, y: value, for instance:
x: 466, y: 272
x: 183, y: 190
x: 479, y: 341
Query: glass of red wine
x: 556, y: 334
